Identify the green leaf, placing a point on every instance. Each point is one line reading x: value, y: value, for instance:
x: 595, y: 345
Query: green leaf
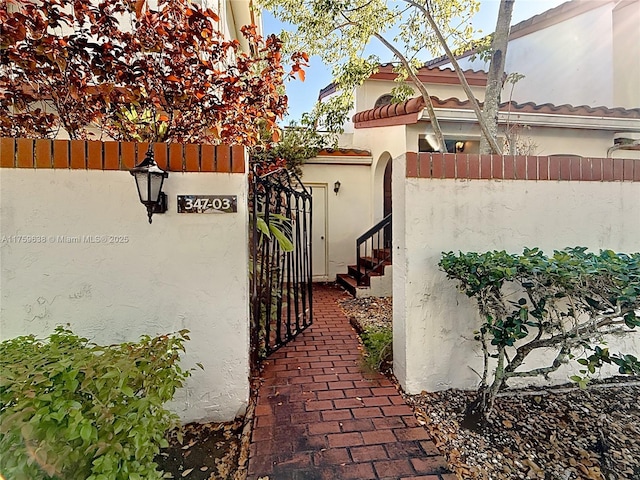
x: 111, y: 374
x: 286, y: 245
x: 128, y: 391
x: 85, y: 432
x: 631, y: 320
x: 568, y: 294
x: 262, y: 226
x: 58, y: 415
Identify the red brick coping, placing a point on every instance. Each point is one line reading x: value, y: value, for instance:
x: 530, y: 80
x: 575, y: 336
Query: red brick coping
x: 508, y: 167
x: 93, y: 155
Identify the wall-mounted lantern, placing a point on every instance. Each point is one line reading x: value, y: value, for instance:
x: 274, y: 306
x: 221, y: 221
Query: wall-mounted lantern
x: 336, y: 187
x: 149, y: 179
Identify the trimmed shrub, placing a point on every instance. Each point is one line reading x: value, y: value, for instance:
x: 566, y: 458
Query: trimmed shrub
x: 566, y: 304
x: 74, y: 410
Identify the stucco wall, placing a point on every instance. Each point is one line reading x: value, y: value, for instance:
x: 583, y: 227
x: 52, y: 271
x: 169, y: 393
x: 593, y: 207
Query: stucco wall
x: 367, y: 94
x: 433, y: 323
x: 626, y: 54
x: 182, y: 271
x: 347, y: 215
x: 384, y: 143
x: 569, y: 62
x: 554, y: 141
x: 371, y: 90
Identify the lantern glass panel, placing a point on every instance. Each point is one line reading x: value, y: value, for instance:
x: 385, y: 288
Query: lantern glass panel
x: 141, y: 183
x: 155, y: 186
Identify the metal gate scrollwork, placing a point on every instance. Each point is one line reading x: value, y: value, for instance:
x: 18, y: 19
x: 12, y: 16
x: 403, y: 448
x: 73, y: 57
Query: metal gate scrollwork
x: 281, y: 294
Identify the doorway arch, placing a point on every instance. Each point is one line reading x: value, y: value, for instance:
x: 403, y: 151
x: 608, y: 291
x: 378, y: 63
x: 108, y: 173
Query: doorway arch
x: 387, y: 200
x: 382, y: 173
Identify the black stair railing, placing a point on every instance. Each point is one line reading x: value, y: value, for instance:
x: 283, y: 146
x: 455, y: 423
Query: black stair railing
x: 373, y: 249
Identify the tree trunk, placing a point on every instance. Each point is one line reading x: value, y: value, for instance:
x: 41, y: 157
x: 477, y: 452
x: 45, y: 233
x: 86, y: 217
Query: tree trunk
x: 496, y: 72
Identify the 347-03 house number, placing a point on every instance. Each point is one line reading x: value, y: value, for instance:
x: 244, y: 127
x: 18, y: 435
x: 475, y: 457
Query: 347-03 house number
x: 207, y: 203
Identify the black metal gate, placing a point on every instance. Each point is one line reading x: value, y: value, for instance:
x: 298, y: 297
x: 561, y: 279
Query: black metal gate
x: 281, y: 295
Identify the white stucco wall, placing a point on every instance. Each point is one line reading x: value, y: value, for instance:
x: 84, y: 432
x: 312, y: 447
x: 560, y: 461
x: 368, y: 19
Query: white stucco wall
x: 575, y: 55
x: 348, y: 214
x: 365, y: 97
x: 371, y: 90
x: 384, y: 143
x: 573, y: 61
x: 547, y: 134
x: 434, y: 323
x: 626, y: 54
x: 182, y: 271
x: 584, y: 142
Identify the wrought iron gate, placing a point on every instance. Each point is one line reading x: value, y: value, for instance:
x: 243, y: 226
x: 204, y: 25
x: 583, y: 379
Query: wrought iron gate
x: 281, y: 295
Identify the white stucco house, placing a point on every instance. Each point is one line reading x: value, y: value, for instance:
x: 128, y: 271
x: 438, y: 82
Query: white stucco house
x: 580, y: 96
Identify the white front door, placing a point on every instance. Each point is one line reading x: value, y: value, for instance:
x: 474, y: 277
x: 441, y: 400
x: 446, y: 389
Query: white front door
x: 319, y: 233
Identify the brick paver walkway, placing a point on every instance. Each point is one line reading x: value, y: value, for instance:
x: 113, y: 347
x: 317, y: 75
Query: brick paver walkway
x: 319, y: 417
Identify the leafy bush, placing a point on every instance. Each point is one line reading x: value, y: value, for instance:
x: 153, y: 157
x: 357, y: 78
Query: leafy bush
x: 378, y: 343
x: 567, y: 303
x: 296, y: 145
x: 74, y: 410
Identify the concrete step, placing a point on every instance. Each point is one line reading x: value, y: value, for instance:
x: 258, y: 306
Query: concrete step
x: 371, y: 262
x: 362, y: 275
x: 348, y: 282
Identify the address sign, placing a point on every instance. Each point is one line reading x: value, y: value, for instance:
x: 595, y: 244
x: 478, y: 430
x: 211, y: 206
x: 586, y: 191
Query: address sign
x: 207, y: 203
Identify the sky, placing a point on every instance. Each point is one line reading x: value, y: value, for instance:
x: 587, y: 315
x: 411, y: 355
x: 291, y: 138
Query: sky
x: 303, y: 95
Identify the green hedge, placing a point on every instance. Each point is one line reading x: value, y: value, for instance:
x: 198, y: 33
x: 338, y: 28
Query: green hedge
x: 74, y: 410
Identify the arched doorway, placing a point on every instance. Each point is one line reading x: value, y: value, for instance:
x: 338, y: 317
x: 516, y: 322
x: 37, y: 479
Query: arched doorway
x: 387, y: 189
x: 387, y: 199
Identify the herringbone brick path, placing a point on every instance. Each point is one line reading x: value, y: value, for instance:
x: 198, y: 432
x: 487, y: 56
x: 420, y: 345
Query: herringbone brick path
x: 319, y: 417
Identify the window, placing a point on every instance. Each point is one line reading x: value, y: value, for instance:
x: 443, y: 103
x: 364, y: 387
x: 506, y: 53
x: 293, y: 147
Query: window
x: 383, y: 100
x: 428, y: 143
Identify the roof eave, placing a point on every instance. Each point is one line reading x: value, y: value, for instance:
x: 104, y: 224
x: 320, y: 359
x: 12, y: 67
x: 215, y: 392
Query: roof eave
x: 585, y: 122
x: 340, y: 160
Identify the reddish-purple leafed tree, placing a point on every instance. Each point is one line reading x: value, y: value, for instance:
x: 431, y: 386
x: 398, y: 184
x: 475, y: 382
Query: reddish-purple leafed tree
x: 135, y: 72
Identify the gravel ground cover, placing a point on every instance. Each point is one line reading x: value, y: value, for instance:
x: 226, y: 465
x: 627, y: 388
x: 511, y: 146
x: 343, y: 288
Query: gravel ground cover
x: 559, y: 433
x: 554, y: 433
x: 368, y: 312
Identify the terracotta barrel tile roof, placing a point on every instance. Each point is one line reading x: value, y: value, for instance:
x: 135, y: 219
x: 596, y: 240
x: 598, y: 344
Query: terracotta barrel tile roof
x: 444, y: 76
x: 566, y: 109
x: 407, y: 112
x: 410, y: 111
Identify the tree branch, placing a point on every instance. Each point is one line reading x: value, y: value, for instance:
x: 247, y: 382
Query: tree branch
x: 463, y: 81
x: 557, y: 362
x: 421, y: 88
